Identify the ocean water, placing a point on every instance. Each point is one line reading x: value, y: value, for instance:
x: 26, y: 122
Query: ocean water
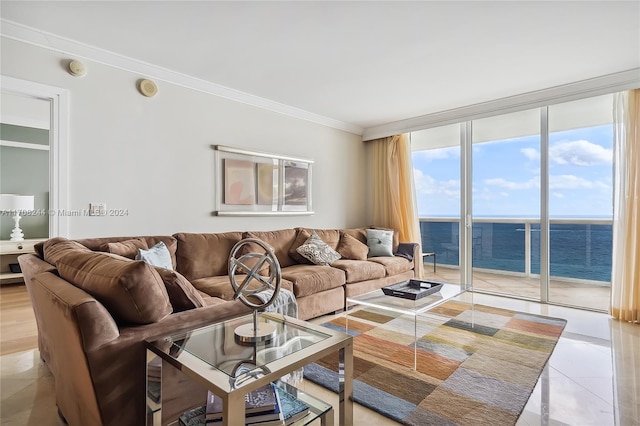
x: 576, y: 250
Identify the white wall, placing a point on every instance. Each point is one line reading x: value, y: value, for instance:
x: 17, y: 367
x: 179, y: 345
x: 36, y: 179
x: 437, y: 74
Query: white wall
x: 153, y: 156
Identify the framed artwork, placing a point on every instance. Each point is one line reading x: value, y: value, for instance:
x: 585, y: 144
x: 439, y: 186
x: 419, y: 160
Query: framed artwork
x: 295, y: 185
x: 249, y: 183
x: 239, y: 182
x: 267, y: 183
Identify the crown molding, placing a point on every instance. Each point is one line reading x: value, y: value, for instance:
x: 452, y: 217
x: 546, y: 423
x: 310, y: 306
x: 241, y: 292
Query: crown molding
x: 19, y: 32
x: 609, y: 83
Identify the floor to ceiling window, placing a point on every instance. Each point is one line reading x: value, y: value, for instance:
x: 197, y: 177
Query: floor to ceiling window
x: 541, y: 207
x: 580, y: 201
x: 436, y: 165
x: 505, y: 201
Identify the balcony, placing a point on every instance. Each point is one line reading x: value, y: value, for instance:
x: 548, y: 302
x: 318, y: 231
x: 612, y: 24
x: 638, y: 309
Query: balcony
x: 506, y: 257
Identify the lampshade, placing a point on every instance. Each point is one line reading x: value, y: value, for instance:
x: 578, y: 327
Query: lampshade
x: 13, y: 202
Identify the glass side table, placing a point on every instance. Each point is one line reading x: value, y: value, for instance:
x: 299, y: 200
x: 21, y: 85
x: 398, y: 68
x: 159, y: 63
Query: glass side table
x: 183, y: 366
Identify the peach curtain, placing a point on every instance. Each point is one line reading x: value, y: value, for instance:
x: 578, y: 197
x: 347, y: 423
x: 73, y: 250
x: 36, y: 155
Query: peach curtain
x: 625, y: 275
x: 394, y: 203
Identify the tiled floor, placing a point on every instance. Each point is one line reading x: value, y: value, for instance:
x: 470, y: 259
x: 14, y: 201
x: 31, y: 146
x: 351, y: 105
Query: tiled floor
x: 593, y: 377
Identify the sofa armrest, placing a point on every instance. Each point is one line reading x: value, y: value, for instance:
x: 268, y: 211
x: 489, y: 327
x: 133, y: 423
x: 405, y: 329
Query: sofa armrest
x: 414, y: 250
x: 72, y: 323
x: 117, y: 368
x: 62, y: 305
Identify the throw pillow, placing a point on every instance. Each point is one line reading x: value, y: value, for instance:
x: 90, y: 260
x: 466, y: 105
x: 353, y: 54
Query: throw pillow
x: 157, y: 255
x: 302, y: 235
x: 132, y: 292
x: 56, y: 247
x: 380, y: 242
x: 317, y: 251
x: 182, y: 294
x: 127, y: 248
x: 351, y: 248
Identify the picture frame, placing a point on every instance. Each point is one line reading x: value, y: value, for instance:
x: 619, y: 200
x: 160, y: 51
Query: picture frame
x: 250, y: 183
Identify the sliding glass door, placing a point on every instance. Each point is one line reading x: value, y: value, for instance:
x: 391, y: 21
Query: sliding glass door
x: 520, y: 204
x: 506, y: 203
x: 580, y: 202
x: 436, y: 164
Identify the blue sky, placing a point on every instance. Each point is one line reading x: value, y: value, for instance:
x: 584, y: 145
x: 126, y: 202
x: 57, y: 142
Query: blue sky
x: 506, y: 176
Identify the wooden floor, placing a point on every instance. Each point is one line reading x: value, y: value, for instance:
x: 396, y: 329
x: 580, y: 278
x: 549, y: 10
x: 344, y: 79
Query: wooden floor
x: 18, y: 330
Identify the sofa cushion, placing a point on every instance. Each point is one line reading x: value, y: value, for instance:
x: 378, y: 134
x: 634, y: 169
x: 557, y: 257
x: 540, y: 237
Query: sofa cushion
x: 56, y: 247
x: 351, y: 248
x: 302, y: 235
x: 182, y: 294
x: 311, y: 279
x: 157, y: 255
x: 98, y: 244
x: 127, y: 248
x: 132, y: 291
x: 380, y: 242
x: 359, y: 270
x: 329, y: 236
x: 317, y: 251
x: 393, y: 265
x: 279, y: 241
x: 220, y: 286
x: 204, y: 255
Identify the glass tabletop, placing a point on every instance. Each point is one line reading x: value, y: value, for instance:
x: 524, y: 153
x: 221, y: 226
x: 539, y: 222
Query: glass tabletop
x: 218, y: 346
x: 378, y: 299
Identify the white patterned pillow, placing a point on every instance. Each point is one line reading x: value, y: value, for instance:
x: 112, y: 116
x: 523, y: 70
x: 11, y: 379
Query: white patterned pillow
x: 317, y: 251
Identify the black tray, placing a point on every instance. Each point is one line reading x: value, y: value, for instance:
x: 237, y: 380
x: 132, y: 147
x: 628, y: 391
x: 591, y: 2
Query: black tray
x: 412, y: 289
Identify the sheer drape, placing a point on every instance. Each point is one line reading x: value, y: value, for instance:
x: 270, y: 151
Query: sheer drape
x: 625, y: 275
x: 394, y: 204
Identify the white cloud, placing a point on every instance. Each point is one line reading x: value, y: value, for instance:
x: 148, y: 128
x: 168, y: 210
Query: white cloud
x: 426, y: 184
x: 531, y: 153
x: 572, y: 182
x: 557, y: 194
x: 579, y: 153
x: 503, y: 183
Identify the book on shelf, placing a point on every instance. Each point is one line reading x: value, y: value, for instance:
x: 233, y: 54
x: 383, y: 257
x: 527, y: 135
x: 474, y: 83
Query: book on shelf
x: 287, y: 410
x: 253, y: 401
x: 261, y: 401
x: 194, y: 417
x: 292, y: 408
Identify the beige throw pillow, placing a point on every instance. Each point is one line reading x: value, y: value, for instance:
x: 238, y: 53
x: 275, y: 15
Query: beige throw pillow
x: 132, y: 292
x: 182, y: 294
x: 351, y: 248
x: 127, y: 248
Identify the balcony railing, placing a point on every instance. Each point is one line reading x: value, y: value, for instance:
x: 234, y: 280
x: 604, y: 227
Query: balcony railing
x: 580, y: 249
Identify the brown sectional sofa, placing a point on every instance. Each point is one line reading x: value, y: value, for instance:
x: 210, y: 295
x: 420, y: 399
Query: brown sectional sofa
x: 95, y: 305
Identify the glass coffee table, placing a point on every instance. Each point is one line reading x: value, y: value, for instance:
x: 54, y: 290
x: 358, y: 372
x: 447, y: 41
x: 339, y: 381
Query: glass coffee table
x: 377, y: 299
x: 182, y: 367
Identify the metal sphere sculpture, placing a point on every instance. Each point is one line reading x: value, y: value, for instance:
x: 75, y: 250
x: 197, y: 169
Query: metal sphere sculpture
x: 244, y: 269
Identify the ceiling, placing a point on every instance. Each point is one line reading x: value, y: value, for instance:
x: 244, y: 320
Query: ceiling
x: 362, y: 63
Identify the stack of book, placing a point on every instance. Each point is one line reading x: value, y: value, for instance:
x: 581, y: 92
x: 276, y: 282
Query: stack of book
x: 269, y: 405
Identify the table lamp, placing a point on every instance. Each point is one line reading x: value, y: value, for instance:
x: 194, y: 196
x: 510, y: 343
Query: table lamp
x: 16, y: 204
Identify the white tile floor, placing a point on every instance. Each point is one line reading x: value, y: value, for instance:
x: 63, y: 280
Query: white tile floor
x: 593, y: 376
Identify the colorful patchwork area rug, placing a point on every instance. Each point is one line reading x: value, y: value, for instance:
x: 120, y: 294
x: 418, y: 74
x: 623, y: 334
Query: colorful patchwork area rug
x: 475, y: 366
